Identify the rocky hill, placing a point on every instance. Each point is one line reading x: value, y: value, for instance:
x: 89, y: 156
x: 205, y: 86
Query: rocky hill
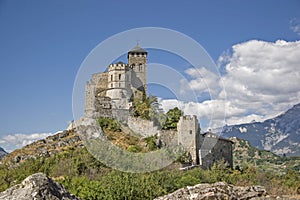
x: 281, y: 135
x: 37, y: 186
x: 46, y: 147
x: 2, y: 152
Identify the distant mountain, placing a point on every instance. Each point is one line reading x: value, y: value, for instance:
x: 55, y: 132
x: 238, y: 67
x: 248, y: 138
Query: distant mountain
x: 2, y: 152
x: 281, y: 135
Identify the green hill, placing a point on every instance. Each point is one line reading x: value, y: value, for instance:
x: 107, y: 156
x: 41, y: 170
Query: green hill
x: 244, y: 155
x: 66, y: 160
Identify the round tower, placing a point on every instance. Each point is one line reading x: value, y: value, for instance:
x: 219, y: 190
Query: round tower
x: 137, y: 61
x: 116, y: 85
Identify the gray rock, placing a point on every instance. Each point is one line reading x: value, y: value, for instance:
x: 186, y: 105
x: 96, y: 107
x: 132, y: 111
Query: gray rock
x: 216, y: 191
x: 37, y: 187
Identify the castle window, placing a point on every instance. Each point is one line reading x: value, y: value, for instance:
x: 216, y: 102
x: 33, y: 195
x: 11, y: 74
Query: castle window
x: 111, y: 77
x: 191, y: 132
x: 111, y: 85
x: 140, y: 67
x: 119, y: 76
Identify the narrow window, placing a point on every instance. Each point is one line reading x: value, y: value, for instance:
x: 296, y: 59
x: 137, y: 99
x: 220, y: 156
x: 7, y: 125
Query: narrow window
x: 191, y: 132
x: 119, y: 76
x: 140, y: 67
x: 111, y: 77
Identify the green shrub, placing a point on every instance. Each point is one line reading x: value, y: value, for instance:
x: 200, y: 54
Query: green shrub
x: 134, y: 148
x: 109, y: 124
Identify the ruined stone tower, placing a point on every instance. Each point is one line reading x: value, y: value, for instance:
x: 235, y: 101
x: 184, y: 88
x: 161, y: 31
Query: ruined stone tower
x: 189, y: 136
x: 137, y: 61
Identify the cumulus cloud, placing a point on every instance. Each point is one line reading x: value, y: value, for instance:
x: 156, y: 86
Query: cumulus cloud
x: 11, y: 142
x: 261, y: 79
x: 295, y: 25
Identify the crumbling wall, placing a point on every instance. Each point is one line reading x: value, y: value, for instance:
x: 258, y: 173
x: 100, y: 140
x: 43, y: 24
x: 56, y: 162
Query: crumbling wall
x: 141, y: 126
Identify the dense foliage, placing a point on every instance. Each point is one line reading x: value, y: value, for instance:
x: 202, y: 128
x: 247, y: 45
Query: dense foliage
x: 109, y: 124
x: 148, y: 108
x: 172, y: 116
x: 87, y: 178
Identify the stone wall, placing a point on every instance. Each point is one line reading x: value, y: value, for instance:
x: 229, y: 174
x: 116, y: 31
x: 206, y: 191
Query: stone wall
x: 213, y: 149
x: 143, y: 127
x: 189, y: 136
x: 103, y: 106
x: 100, y: 79
x: 168, y: 137
x: 89, y: 98
x: 120, y: 114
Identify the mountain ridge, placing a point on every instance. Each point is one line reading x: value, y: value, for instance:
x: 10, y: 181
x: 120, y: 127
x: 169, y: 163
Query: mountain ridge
x: 2, y: 152
x: 280, y: 134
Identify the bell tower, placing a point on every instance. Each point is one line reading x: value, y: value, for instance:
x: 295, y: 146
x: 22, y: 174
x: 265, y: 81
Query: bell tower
x: 137, y: 61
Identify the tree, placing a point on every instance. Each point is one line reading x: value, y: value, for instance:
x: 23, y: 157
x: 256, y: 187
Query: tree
x: 172, y: 116
x: 148, y: 108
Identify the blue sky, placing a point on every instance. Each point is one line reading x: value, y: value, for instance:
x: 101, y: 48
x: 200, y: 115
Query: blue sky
x: 43, y: 43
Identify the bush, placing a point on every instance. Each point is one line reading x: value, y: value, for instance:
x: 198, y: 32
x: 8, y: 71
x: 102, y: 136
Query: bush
x: 109, y: 124
x: 134, y: 148
x: 151, y: 143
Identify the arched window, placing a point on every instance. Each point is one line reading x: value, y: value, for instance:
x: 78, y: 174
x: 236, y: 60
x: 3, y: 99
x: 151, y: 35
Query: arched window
x: 140, y: 67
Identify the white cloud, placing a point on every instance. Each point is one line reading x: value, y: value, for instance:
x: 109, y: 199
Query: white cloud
x: 295, y: 25
x: 203, y: 80
x: 11, y: 142
x: 261, y: 80
x: 263, y: 77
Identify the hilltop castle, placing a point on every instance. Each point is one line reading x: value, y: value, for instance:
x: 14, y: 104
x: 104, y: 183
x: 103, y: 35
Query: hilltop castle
x: 111, y: 93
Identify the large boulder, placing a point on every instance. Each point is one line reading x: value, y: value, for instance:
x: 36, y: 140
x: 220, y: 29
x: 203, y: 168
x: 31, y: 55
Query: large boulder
x: 216, y: 191
x: 37, y: 187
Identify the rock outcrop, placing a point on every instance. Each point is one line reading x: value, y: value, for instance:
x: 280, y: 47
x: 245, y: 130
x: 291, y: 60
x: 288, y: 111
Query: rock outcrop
x: 217, y: 191
x: 37, y: 187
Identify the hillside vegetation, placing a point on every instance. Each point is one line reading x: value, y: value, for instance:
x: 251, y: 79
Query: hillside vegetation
x: 87, y: 178
x: 244, y: 154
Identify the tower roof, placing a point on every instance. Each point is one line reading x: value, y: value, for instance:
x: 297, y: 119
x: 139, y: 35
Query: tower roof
x: 137, y: 49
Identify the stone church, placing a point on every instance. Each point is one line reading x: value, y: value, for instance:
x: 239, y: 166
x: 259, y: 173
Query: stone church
x: 111, y: 93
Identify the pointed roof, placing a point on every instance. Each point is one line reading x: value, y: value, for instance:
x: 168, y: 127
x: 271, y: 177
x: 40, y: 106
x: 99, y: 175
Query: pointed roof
x: 137, y: 49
